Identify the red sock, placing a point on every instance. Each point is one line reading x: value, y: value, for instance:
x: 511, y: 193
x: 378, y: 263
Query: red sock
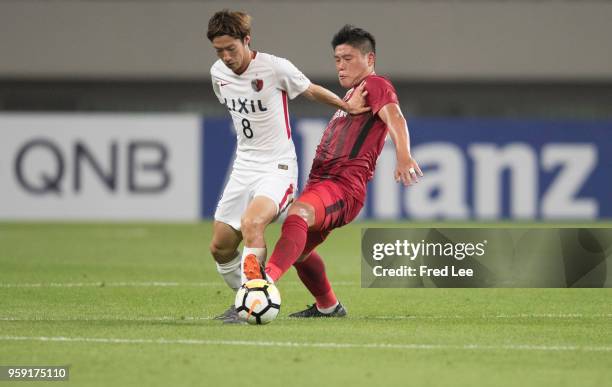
x: 289, y: 247
x: 312, y: 273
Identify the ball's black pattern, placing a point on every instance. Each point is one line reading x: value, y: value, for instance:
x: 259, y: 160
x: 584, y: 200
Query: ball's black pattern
x: 269, y: 303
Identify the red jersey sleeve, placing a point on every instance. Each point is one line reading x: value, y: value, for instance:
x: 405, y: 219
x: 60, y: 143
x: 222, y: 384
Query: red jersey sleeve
x: 380, y: 93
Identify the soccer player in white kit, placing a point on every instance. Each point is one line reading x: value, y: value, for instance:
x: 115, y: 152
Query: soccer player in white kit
x: 255, y: 88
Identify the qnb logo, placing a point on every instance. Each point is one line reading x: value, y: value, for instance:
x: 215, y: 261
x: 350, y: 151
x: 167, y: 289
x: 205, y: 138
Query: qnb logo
x: 42, y: 166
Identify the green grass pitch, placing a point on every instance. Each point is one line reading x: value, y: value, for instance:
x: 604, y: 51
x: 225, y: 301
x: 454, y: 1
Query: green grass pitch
x: 130, y: 304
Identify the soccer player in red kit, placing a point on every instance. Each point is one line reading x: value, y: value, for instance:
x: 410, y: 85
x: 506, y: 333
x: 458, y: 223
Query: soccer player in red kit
x: 344, y: 163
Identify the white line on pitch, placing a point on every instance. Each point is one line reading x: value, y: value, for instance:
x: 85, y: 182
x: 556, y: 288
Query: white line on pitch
x: 470, y: 347
x: 106, y: 318
x: 205, y: 318
x: 102, y: 284
x: 134, y: 284
x: 499, y: 316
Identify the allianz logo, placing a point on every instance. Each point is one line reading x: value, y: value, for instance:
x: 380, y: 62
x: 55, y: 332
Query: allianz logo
x: 520, y: 165
x: 485, y: 180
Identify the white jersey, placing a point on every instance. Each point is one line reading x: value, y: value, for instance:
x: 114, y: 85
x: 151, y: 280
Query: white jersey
x: 258, y: 103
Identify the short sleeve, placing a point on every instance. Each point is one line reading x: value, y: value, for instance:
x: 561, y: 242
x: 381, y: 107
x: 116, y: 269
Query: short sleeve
x: 290, y: 79
x: 380, y: 93
x: 215, y: 85
x: 217, y: 90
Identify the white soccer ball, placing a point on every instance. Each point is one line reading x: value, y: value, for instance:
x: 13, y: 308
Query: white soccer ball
x: 258, y: 302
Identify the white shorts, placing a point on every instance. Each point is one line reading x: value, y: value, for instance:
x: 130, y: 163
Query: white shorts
x: 279, y: 185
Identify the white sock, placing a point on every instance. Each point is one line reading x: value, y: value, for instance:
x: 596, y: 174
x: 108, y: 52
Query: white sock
x: 231, y: 271
x: 260, y: 253
x: 328, y: 310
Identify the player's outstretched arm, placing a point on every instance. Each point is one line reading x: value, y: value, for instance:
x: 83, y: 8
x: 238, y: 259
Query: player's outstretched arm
x: 407, y: 170
x: 355, y: 105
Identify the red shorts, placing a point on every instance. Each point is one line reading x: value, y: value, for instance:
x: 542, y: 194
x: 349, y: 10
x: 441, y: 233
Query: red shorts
x: 334, y: 208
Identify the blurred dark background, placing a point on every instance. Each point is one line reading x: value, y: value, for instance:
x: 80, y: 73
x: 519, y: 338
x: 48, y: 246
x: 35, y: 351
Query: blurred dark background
x: 533, y: 59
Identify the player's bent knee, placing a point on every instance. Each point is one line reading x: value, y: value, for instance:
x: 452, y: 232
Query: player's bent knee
x: 222, y: 254
x: 302, y: 210
x: 299, y: 209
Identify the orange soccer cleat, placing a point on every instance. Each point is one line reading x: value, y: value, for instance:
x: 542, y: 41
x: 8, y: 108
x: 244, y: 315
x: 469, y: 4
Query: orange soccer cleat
x: 252, y: 268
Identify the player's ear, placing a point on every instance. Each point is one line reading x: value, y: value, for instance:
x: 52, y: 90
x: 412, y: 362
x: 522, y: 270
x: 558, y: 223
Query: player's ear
x: 246, y: 40
x: 371, y: 59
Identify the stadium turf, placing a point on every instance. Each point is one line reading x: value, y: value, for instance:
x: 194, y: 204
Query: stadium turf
x: 131, y: 304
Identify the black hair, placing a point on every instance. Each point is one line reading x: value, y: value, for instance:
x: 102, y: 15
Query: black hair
x: 355, y: 37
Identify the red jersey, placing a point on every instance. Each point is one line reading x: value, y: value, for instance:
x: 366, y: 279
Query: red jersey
x: 351, y: 144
